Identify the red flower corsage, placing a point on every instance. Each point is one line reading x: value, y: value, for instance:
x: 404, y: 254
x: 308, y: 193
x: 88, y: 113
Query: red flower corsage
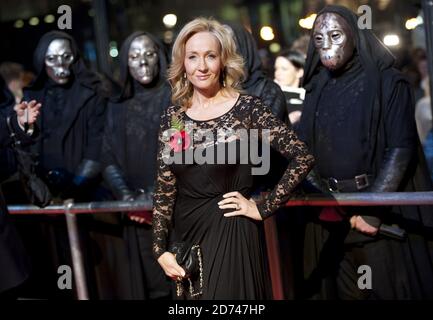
x: 180, y: 139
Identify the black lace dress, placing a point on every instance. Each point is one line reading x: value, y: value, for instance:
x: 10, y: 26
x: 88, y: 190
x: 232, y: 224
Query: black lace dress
x: 187, y: 196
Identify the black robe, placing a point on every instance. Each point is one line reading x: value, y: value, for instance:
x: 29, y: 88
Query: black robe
x: 385, y: 119
x: 14, y: 263
x: 7, y: 160
x: 132, y: 122
x: 255, y: 82
x: 130, y: 143
x: 71, y: 128
x: 73, y: 115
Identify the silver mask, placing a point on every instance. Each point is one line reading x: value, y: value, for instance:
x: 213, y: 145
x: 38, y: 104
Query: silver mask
x: 333, y: 40
x: 58, y: 60
x: 143, y: 59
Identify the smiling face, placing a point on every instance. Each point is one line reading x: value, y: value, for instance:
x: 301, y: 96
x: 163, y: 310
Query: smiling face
x: 333, y: 40
x: 203, y: 61
x: 143, y: 59
x: 58, y: 60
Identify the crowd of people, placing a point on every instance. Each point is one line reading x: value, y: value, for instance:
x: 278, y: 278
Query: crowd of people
x: 338, y: 117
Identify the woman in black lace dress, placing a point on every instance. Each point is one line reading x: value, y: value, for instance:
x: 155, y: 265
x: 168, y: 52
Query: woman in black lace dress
x: 204, y: 178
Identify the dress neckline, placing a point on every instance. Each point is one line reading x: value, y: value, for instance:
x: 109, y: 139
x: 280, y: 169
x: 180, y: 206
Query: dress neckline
x: 218, y: 117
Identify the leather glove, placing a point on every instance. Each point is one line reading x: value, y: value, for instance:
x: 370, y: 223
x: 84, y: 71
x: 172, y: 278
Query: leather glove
x: 313, y: 184
x: 390, y: 175
x: 392, y: 170
x: 86, y: 171
x: 145, y: 216
x: 116, y: 181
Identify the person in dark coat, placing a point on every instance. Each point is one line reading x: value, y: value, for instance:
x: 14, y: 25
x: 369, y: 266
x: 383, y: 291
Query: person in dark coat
x: 358, y: 121
x: 14, y: 263
x: 72, y: 123
x: 7, y: 102
x: 68, y: 149
x: 130, y: 149
x: 255, y: 82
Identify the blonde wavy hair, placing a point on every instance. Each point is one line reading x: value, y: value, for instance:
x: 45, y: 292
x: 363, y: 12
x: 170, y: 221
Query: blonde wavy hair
x: 232, y: 74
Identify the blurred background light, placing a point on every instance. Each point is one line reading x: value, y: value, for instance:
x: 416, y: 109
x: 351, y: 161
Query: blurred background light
x: 414, y: 22
x: 34, y: 21
x: 169, y: 20
x: 391, y: 40
x: 114, y: 52
x: 308, y: 22
x: 275, y: 47
x: 266, y: 33
x: 168, y: 36
x: 19, y: 24
x: 49, y: 18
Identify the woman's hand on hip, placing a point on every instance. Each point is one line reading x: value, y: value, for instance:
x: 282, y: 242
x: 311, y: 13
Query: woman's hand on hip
x: 241, y: 205
x: 170, y: 266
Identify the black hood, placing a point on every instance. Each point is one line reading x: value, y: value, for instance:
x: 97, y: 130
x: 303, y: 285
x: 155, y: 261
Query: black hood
x: 126, y: 81
x: 247, y: 48
x: 78, y: 68
x: 373, y: 54
x: 374, y: 59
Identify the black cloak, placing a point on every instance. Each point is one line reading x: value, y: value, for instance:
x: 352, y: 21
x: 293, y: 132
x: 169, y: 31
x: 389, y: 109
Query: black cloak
x: 256, y: 83
x: 80, y: 130
x: 416, y: 253
x: 130, y: 146
x: 14, y: 263
x: 7, y: 159
x: 70, y: 140
x: 137, y: 157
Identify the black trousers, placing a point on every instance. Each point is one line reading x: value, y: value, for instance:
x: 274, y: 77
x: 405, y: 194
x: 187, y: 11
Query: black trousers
x: 368, y: 272
x: 335, y: 269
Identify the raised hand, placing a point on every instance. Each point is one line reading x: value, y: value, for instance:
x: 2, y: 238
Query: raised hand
x: 27, y: 112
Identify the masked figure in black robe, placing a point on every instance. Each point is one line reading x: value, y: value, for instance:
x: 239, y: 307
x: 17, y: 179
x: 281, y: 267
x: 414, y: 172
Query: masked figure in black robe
x: 358, y: 122
x: 68, y: 149
x: 130, y: 148
x: 73, y: 117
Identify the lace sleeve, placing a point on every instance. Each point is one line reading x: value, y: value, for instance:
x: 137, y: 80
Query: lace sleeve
x: 164, y: 194
x: 287, y: 143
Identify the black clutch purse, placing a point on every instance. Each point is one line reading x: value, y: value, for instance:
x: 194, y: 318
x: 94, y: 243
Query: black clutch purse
x: 189, y: 257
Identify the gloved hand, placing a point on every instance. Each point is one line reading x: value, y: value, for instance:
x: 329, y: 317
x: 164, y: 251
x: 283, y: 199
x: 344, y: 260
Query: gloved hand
x: 117, y: 184
x: 389, y: 177
x: 77, y: 185
x: 142, y: 217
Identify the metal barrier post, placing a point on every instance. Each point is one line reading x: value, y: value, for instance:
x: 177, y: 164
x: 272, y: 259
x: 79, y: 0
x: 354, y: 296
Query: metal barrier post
x: 77, y: 256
